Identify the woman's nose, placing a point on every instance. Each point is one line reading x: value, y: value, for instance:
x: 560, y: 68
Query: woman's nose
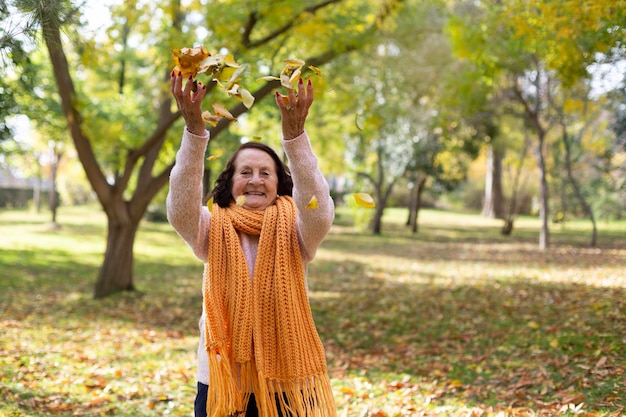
x: 256, y: 180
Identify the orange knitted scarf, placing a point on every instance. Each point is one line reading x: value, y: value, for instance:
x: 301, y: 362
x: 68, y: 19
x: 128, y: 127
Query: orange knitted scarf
x: 260, y: 334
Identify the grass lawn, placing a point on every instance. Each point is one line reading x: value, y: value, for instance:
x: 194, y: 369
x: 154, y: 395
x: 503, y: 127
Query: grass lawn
x: 456, y: 320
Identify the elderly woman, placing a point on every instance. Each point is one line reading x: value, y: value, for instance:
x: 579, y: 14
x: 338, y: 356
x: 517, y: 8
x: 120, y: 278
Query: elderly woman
x: 259, y: 351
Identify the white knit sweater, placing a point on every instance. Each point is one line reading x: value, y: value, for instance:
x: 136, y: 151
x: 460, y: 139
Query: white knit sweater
x: 191, y: 219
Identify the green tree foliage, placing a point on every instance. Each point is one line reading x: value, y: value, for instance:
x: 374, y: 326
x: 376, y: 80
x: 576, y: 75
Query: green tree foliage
x: 527, y: 51
x: 114, y: 90
x: 390, y: 96
x: 11, y: 55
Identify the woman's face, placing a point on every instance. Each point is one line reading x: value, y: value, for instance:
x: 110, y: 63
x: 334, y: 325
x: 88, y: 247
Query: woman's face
x: 255, y: 178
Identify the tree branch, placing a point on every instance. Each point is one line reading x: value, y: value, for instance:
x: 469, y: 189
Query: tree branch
x: 253, y: 20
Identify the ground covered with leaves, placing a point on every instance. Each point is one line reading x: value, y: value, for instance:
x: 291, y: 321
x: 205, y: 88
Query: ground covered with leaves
x: 454, y: 321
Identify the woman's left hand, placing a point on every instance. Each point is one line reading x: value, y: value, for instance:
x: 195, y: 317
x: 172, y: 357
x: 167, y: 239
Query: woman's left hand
x: 295, y: 111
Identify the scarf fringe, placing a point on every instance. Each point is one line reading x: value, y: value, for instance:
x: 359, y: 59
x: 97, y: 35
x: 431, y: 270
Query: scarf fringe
x: 229, y: 394
x: 308, y: 397
x: 222, y: 394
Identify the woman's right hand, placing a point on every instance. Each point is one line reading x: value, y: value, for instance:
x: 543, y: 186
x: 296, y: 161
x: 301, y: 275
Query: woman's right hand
x: 189, y: 102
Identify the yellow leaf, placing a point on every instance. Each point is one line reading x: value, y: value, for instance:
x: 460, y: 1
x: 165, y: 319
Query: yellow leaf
x: 357, y: 123
x: 285, y: 81
x: 224, y: 74
x: 229, y: 60
x: 554, y: 343
x: 215, y: 156
x: 188, y: 60
x: 235, y: 76
x: 268, y: 78
x: 315, y: 70
x: 246, y: 97
x: 533, y: 324
x: 294, y: 62
x: 221, y: 111
x: 364, y: 200
x: 456, y: 383
x: 241, y: 200
x: 210, y: 118
x: 214, y: 65
x: 209, y: 204
x: 294, y: 76
x: 312, y: 203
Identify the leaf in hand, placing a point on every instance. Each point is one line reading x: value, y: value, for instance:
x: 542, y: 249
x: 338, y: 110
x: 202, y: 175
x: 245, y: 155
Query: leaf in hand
x: 188, y: 60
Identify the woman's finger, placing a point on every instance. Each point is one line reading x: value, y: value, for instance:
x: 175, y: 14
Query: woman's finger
x: 188, y: 86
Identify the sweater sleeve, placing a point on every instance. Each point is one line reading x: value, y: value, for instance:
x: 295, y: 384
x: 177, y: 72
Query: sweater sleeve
x: 185, y: 211
x: 313, y: 223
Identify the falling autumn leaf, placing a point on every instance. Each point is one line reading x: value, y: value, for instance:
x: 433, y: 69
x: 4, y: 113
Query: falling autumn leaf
x: 210, y: 118
x: 294, y: 62
x: 316, y: 70
x: 290, y: 74
x: 246, y: 97
x: 209, y: 204
x: 268, y: 78
x: 221, y: 111
x: 312, y: 203
x: 364, y: 200
x: 241, y: 200
x: 214, y: 156
x: 357, y: 123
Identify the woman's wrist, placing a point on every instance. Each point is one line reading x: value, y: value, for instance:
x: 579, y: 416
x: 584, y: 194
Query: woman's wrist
x: 198, y: 131
x: 288, y: 135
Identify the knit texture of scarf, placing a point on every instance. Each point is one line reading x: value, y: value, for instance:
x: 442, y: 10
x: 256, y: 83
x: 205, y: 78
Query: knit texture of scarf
x: 261, y: 337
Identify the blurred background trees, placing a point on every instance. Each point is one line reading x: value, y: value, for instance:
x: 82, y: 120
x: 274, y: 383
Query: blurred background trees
x: 420, y: 102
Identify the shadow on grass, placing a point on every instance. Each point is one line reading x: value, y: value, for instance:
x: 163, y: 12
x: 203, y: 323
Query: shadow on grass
x: 487, y: 251
x: 507, y: 343
x: 60, y: 288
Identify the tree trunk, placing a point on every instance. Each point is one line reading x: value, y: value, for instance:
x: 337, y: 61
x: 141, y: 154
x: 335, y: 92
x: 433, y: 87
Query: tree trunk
x: 123, y: 216
x: 412, y: 208
x: 37, y: 194
x: 512, y: 210
x: 116, y: 272
x: 544, y: 234
x: 579, y: 194
x: 532, y: 110
x: 493, y: 203
x: 377, y: 221
x: 53, y: 198
x: 418, y: 189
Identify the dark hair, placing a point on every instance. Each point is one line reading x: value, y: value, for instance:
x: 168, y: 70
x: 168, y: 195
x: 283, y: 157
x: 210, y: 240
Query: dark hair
x: 222, y: 191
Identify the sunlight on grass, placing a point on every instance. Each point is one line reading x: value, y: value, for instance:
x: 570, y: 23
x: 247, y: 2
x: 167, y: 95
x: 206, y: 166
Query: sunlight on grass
x: 456, y: 320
